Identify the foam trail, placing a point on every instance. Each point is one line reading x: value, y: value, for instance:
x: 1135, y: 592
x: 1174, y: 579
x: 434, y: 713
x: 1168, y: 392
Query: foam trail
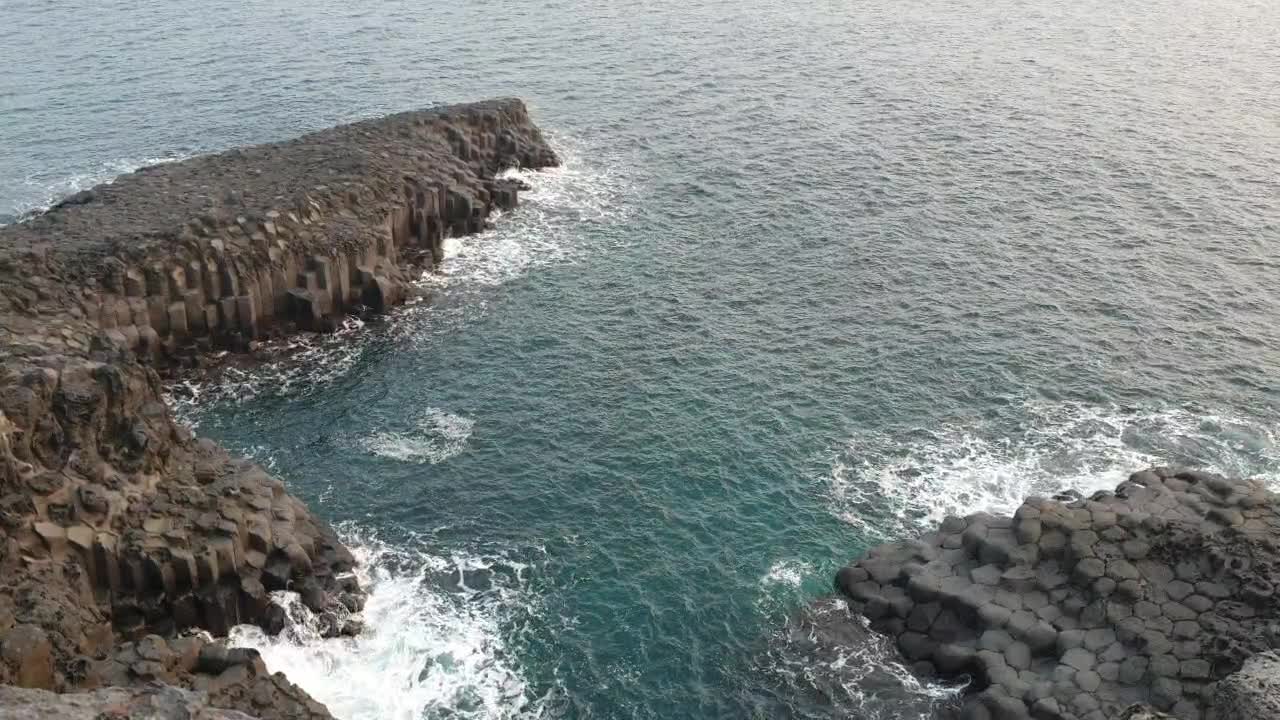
x: 430, y: 649
x: 437, y: 436
x: 896, y: 486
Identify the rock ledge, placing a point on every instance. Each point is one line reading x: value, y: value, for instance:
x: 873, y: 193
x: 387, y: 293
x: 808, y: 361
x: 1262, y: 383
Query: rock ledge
x: 1079, y: 608
x: 120, y: 533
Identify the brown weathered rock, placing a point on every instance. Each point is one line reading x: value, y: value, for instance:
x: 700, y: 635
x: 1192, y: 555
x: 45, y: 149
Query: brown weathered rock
x: 148, y: 702
x: 29, y: 655
x: 234, y: 246
x: 120, y: 530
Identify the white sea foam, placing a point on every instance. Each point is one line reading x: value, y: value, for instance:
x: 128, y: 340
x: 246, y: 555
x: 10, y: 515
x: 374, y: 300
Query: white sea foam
x: 545, y: 230
x: 789, y: 573
x: 437, y: 436
x: 896, y: 485
x: 858, y: 672
x: 782, y: 585
x: 427, y: 651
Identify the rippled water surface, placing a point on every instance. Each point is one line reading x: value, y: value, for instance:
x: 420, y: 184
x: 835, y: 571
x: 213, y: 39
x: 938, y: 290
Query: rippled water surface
x: 812, y: 276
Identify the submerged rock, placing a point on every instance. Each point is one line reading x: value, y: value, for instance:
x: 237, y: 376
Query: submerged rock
x: 826, y: 663
x: 1080, y: 608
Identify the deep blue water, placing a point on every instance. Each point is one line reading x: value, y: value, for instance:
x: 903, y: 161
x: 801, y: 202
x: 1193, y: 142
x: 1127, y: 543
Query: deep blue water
x: 811, y: 277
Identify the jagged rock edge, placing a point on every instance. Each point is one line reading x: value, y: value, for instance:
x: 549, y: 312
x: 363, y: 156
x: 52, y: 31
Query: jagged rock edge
x: 122, y: 533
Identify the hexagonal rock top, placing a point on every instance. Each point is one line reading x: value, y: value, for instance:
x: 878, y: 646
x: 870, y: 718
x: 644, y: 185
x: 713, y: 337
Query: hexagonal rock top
x: 1079, y: 608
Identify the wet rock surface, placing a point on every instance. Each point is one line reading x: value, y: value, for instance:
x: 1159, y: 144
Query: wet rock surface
x: 827, y: 662
x: 1082, y: 608
x: 119, y: 531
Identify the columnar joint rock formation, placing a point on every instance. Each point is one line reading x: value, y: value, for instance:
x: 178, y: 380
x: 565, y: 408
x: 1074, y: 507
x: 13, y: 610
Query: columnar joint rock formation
x: 222, y: 249
x: 1078, y: 608
x: 119, y: 526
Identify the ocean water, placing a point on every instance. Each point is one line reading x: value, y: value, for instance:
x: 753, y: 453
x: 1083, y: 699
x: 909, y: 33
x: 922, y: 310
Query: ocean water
x: 812, y: 277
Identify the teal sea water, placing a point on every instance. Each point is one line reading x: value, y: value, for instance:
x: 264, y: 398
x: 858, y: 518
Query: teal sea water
x: 811, y: 277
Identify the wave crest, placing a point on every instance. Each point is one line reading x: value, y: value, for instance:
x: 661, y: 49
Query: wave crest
x: 432, y: 646
x: 893, y: 486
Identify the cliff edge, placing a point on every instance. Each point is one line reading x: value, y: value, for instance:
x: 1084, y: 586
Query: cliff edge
x: 120, y: 533
x: 1074, y: 608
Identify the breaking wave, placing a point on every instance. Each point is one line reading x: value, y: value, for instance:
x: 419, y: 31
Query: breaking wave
x: 894, y: 485
x: 433, y: 641
x: 546, y: 229
x: 543, y: 231
x: 827, y: 663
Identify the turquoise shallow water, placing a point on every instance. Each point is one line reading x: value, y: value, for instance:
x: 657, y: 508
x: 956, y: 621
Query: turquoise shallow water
x: 809, y: 279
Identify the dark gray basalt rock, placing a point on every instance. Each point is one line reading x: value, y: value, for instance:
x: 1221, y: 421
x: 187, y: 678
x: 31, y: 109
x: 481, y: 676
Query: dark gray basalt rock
x: 1253, y: 693
x: 118, y: 529
x: 1080, y: 608
x: 826, y: 663
x: 223, y: 249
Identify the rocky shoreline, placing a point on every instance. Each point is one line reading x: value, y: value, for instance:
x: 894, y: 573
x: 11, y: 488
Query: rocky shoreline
x: 1157, y: 598
x: 123, y: 535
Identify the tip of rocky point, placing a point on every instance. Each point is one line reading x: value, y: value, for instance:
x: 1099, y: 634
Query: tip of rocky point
x: 1158, y: 593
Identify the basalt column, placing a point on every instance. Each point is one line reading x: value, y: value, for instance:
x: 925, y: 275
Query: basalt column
x: 120, y: 529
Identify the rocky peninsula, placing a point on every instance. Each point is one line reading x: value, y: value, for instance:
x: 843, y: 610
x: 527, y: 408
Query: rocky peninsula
x: 1157, y: 598
x: 124, y: 535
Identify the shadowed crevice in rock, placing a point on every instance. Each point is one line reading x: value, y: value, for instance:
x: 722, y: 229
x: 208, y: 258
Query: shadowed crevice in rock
x: 1079, y: 608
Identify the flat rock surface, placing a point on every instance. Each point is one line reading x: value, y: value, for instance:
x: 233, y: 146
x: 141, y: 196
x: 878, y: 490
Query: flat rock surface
x: 146, y: 209
x: 1081, y: 608
x: 150, y: 702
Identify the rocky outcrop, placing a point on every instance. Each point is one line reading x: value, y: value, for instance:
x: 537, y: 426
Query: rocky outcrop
x: 149, y: 702
x: 222, y: 249
x: 1252, y: 693
x: 181, y: 678
x: 1079, y: 608
x: 121, y: 530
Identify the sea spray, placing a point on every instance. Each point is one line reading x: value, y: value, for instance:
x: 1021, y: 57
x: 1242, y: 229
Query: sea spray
x: 892, y: 485
x: 432, y: 644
